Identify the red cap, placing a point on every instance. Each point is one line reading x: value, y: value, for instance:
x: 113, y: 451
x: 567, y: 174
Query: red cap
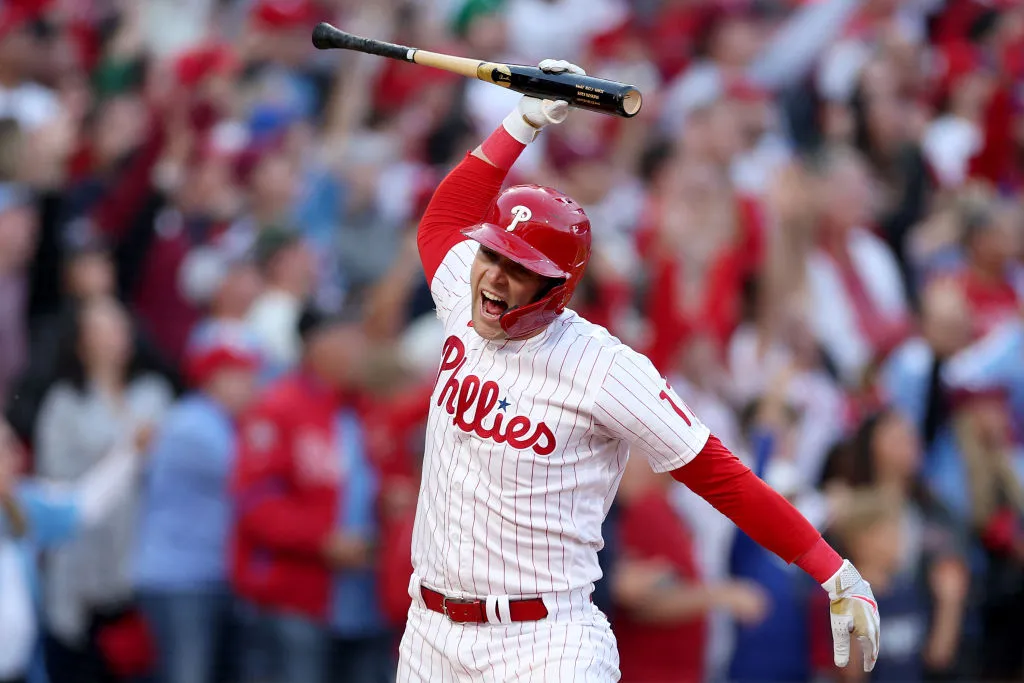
x: 16, y: 13
x: 203, y: 366
x: 192, y: 66
x: 223, y: 347
x: 284, y: 14
x: 611, y: 42
x: 12, y: 18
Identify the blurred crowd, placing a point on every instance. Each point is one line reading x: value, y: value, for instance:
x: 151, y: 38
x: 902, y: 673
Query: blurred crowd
x: 217, y: 345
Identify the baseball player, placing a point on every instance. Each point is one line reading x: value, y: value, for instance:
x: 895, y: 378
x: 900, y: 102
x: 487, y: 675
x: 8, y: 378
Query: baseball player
x: 533, y: 414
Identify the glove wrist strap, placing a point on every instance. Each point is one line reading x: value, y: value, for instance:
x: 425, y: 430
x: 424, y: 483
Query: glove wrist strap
x: 842, y: 581
x: 519, y: 128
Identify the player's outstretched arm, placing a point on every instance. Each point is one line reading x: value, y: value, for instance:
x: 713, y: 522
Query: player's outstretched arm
x: 463, y: 197
x: 766, y: 516
x: 637, y: 405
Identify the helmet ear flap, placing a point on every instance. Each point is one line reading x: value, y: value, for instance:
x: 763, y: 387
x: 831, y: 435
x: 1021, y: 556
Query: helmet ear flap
x: 560, y: 295
x: 549, y: 286
x: 523, y: 320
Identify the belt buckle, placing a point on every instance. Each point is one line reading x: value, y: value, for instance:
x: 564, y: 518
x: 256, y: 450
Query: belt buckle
x: 445, y: 600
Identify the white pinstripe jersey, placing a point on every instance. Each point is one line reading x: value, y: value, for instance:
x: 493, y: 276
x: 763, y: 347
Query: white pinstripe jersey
x: 526, y: 443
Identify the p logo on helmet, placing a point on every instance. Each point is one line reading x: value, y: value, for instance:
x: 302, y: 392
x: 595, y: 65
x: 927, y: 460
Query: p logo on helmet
x: 520, y: 214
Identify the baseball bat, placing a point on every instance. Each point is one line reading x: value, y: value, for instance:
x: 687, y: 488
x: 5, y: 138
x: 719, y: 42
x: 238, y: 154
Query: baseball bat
x: 585, y: 92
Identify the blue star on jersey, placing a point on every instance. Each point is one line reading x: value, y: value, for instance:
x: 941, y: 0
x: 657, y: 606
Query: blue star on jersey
x: 502, y: 404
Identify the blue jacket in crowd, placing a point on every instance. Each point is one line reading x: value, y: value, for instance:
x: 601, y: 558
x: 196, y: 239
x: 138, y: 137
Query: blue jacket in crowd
x: 52, y: 518
x: 188, y: 470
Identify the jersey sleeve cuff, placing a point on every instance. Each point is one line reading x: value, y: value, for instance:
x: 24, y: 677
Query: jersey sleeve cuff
x: 821, y: 562
x: 660, y: 465
x: 502, y: 148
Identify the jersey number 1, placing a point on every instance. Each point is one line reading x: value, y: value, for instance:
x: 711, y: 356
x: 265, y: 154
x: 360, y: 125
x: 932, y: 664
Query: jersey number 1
x: 665, y: 396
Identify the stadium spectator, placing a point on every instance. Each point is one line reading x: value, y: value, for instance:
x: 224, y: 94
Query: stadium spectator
x: 223, y: 282
x: 38, y: 515
x: 869, y: 528
x: 994, y: 363
x: 88, y: 272
x: 995, y: 493
x: 697, y: 275
x: 991, y: 240
x: 17, y: 244
x: 887, y: 118
x: 23, y: 98
x: 857, y: 299
x: 288, y: 271
x: 306, y: 499
x: 179, y: 564
x: 770, y: 427
x: 98, y: 402
x: 661, y: 597
x: 886, y: 454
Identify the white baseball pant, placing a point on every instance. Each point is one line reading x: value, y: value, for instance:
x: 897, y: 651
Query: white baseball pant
x: 574, y: 644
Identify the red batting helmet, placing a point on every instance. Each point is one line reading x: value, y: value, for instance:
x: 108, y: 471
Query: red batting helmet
x: 547, y: 233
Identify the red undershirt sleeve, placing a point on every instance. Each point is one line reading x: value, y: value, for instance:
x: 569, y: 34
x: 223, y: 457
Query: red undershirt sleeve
x: 718, y: 476
x: 461, y: 200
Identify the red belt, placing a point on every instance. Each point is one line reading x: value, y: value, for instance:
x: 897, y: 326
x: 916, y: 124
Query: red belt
x: 465, y: 611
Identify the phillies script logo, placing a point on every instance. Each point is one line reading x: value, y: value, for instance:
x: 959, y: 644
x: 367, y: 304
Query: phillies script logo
x: 482, y: 397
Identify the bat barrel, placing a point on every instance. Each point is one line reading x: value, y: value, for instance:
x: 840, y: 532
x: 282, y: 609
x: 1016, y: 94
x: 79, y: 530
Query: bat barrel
x: 584, y: 92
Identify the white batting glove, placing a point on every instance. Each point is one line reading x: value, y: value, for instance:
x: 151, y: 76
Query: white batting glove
x: 533, y: 114
x: 853, y: 610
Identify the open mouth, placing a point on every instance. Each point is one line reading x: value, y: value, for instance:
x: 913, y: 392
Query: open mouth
x: 491, y: 305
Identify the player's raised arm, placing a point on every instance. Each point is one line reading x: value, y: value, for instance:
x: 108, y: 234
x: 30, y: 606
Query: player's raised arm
x: 463, y: 197
x: 637, y: 405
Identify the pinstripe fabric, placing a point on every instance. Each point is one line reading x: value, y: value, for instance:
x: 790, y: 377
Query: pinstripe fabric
x: 526, y: 443
x: 434, y: 650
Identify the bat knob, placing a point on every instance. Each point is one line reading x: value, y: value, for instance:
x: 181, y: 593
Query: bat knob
x: 324, y: 36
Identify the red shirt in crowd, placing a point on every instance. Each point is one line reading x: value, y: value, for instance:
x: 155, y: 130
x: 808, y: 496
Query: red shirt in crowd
x: 718, y: 313
x: 287, y: 487
x: 650, y: 529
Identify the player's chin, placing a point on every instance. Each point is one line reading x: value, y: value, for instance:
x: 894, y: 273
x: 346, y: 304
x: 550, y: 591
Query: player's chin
x: 488, y: 330
x: 487, y: 325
